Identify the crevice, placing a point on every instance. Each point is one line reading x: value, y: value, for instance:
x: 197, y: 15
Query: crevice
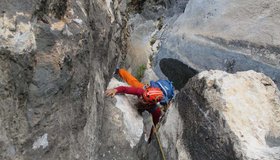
x: 176, y: 71
x: 57, y: 8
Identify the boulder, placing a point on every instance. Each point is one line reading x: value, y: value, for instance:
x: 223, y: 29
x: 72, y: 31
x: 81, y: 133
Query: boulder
x: 225, y: 116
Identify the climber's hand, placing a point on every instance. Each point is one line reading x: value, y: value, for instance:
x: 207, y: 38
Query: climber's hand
x: 110, y: 92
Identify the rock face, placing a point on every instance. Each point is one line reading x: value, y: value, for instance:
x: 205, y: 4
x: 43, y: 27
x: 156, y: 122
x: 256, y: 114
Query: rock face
x: 56, y: 58
x: 228, y: 116
x: 225, y: 35
x: 146, y: 26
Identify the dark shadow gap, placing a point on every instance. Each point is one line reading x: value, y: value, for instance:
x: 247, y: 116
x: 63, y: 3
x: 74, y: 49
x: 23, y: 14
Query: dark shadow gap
x: 176, y: 71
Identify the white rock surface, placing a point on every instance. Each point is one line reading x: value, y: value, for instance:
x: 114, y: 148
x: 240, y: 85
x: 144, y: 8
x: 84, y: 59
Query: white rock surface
x: 139, y: 47
x: 149, y: 75
x: 171, y: 135
x: 41, y: 142
x: 252, y: 20
x: 229, y: 35
x: 18, y: 37
x: 250, y: 104
x: 132, y: 120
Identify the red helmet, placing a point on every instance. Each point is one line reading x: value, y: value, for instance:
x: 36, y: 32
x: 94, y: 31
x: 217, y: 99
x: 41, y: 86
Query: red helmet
x: 152, y: 95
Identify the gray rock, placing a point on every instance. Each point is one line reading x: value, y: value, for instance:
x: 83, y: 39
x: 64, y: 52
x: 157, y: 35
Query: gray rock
x: 229, y: 116
x: 52, y: 103
x: 223, y: 35
x: 53, y: 84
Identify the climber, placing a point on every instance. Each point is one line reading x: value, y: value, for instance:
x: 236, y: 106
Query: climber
x: 157, y: 92
x: 148, y: 96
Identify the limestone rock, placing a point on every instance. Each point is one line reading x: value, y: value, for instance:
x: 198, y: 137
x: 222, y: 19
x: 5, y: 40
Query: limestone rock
x: 225, y: 35
x: 16, y: 35
x: 57, y: 58
x: 230, y: 116
x: 51, y: 100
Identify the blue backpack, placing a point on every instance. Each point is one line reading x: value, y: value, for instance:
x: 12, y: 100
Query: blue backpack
x: 167, y: 89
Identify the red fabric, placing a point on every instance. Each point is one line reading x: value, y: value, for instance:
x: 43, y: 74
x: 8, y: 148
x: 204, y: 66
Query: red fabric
x: 156, y: 115
x: 139, y: 92
x: 130, y: 90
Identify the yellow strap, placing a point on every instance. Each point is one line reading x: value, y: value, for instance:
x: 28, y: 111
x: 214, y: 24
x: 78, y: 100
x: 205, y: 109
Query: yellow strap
x: 160, y: 147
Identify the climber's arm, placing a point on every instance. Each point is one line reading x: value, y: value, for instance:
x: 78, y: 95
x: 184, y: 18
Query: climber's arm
x: 126, y: 90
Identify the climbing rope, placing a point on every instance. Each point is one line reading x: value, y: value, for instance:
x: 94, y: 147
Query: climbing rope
x: 157, y: 137
x: 155, y: 130
x: 160, y: 146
